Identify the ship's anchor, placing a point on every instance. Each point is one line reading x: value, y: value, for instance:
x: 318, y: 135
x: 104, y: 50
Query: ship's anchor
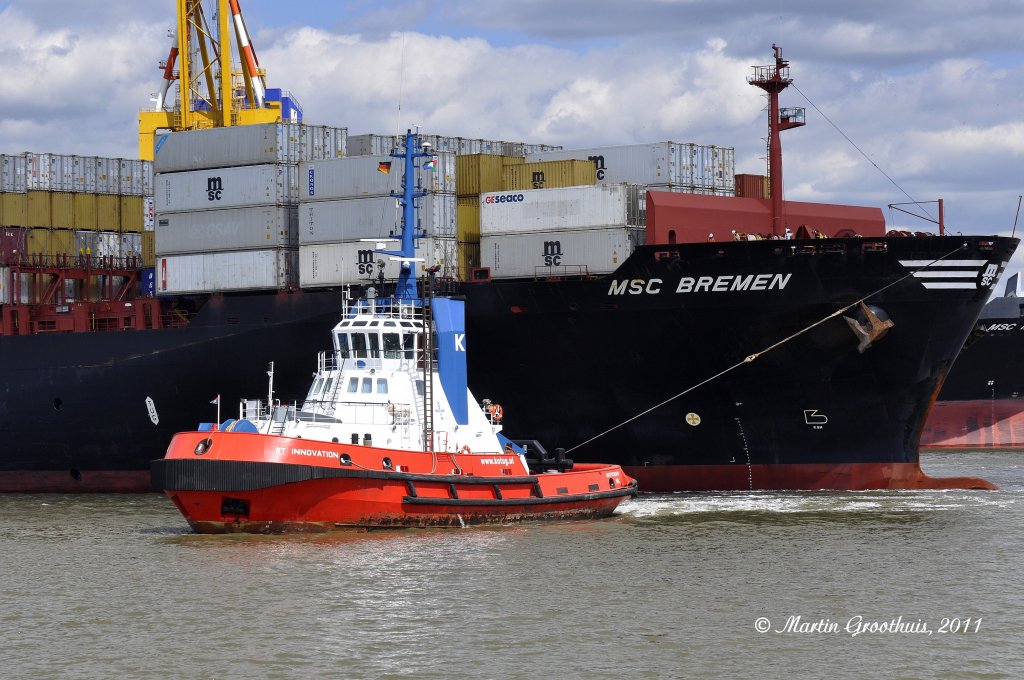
x: 872, y: 328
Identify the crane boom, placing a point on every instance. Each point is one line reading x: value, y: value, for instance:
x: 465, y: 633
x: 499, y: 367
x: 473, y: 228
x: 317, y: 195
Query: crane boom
x: 211, y: 91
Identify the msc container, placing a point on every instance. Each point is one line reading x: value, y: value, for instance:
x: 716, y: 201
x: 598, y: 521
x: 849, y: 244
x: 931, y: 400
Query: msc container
x: 259, y: 227
x: 349, y: 219
x: 548, y: 175
x: 587, y: 207
x: 691, y: 165
x: 14, y: 210
x: 479, y: 173
x: 578, y: 252
x: 273, y: 269
x: 12, y: 174
x: 132, y: 213
x: 238, y: 145
x: 361, y: 176
x: 468, y: 220
x: 352, y: 262
x: 226, y: 188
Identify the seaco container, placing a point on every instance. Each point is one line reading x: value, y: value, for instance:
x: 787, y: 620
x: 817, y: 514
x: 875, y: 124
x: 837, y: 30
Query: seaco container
x: 587, y: 207
x: 573, y: 253
x: 249, y: 228
x: 273, y: 269
x: 226, y: 188
x: 350, y: 219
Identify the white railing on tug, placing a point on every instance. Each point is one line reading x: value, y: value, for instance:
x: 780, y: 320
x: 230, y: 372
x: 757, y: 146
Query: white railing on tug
x: 385, y: 308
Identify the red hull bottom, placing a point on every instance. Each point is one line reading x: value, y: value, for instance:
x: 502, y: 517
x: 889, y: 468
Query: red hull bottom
x: 975, y: 425
x: 839, y: 477
x: 72, y: 481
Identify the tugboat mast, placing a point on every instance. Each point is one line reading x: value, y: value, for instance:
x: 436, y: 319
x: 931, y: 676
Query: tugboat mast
x: 773, y: 79
x: 406, y: 287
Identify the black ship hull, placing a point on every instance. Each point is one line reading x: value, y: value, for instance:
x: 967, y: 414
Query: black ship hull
x: 568, y: 359
x: 982, y: 402
x: 629, y: 375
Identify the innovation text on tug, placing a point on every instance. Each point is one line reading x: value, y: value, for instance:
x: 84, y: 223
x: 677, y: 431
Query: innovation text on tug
x: 388, y: 436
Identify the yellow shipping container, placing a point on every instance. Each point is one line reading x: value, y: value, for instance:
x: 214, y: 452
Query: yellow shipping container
x: 468, y: 258
x: 131, y: 213
x: 467, y: 217
x: 51, y: 241
x: 14, y: 210
x: 478, y: 173
x: 39, y: 209
x: 62, y: 210
x: 85, y: 211
x: 549, y: 175
x: 108, y: 212
x: 149, y: 249
x: 512, y: 160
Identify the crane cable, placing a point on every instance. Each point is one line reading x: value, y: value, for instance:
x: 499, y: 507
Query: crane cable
x: 757, y: 355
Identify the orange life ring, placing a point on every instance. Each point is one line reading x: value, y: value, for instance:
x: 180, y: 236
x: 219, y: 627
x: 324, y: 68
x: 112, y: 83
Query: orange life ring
x: 465, y: 450
x: 496, y: 412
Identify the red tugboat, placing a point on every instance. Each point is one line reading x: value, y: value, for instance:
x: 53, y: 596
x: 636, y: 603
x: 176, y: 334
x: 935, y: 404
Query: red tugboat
x: 388, y: 436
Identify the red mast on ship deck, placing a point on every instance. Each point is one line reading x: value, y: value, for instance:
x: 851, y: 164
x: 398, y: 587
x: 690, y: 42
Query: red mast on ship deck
x: 774, y: 79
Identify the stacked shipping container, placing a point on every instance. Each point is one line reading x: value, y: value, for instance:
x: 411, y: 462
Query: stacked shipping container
x: 226, y: 202
x: 573, y: 231
x: 347, y: 211
x: 70, y: 204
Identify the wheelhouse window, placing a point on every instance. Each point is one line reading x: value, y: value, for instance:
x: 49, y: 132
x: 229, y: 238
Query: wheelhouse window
x: 374, y: 345
x: 359, y: 349
x: 409, y: 345
x: 392, y: 346
x: 353, y: 384
x: 367, y: 385
x: 343, y: 350
x: 382, y: 386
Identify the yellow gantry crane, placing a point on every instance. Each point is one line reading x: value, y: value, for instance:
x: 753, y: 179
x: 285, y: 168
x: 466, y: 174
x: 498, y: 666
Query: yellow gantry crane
x: 211, y: 91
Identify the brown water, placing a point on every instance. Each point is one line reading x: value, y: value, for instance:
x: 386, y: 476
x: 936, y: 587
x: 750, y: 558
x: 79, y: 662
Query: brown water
x: 672, y: 587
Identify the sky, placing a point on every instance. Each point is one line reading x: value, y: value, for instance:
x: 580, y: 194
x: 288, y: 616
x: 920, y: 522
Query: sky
x: 910, y: 100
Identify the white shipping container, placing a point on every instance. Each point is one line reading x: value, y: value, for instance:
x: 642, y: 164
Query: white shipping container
x: 148, y: 214
x: 675, y: 163
x: 266, y: 144
x: 85, y: 174
x: 577, y: 252
x: 349, y: 219
x: 322, y: 142
x: 226, y: 188
x: 356, y: 262
x: 13, y: 174
x: 259, y: 227
x: 38, y: 171
x: 585, y: 207
x: 360, y: 176
x: 131, y: 245
x: 108, y: 177
x: 224, y: 271
x: 100, y: 243
x: 65, y: 170
x: 382, y: 145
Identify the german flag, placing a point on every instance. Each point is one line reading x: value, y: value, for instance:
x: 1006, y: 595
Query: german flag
x: 384, y: 166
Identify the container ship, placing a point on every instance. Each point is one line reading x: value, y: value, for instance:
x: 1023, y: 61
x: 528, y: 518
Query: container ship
x: 982, y: 402
x: 640, y: 305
